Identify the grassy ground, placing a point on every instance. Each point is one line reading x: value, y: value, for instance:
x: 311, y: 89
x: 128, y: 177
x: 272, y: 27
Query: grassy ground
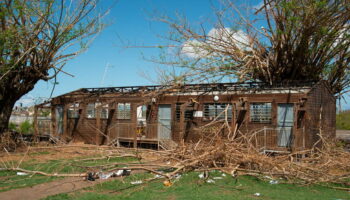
x: 343, y: 120
x: 10, y: 180
x: 190, y: 186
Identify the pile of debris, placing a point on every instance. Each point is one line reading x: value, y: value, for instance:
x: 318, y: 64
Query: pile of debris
x: 329, y: 164
x: 235, y: 157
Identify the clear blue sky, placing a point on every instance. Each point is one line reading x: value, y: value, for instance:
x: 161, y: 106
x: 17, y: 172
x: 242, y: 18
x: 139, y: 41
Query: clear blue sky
x: 131, y: 24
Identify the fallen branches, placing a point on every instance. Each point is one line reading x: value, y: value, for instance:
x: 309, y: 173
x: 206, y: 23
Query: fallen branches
x: 214, y: 151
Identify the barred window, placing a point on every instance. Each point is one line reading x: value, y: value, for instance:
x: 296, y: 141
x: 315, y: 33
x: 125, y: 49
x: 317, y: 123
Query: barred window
x: 104, y: 110
x: 90, y: 111
x: 188, y: 113
x: 211, y: 111
x: 124, y: 111
x: 260, y: 112
x: 73, y: 111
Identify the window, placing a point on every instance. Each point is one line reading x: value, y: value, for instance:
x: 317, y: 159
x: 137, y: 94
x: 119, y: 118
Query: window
x: 123, y: 111
x: 141, y: 114
x: 260, y: 112
x: 73, y: 111
x: 188, y: 112
x: 211, y: 111
x: 104, y: 110
x: 90, y: 111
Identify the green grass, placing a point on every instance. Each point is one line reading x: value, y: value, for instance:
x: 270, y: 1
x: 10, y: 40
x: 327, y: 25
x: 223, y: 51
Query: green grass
x: 343, y: 120
x: 10, y: 180
x: 189, y: 186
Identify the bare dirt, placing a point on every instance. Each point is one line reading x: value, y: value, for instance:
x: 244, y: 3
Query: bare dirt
x: 47, y: 189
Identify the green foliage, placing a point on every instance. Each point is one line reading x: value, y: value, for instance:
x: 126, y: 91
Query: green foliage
x: 12, y: 126
x: 343, y: 120
x: 26, y: 127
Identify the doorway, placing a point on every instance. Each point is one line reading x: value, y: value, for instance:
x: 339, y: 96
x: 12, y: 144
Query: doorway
x: 164, y: 121
x: 285, y: 121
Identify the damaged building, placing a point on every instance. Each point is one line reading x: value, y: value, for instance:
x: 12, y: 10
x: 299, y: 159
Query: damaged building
x: 281, y: 117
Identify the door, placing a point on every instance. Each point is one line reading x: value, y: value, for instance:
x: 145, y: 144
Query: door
x: 164, y: 121
x: 285, y: 121
x: 59, y: 119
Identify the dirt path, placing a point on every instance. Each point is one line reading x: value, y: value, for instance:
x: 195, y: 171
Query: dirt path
x: 47, y: 189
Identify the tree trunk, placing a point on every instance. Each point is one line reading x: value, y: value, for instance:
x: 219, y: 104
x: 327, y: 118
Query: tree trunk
x: 6, y: 106
x: 12, y: 88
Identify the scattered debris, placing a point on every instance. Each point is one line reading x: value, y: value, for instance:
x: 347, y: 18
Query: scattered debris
x: 272, y: 182
x: 167, y: 183
x: 210, y: 181
x: 136, y: 182
x: 90, y: 177
x: 201, y: 176
x: 21, y: 174
x: 257, y: 194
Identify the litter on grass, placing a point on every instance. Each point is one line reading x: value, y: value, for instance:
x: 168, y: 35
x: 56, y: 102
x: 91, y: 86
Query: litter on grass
x: 210, y: 181
x: 136, y: 182
x: 257, y: 194
x: 201, y: 176
x: 273, y: 182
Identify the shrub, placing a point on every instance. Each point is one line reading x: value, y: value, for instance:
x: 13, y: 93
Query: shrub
x: 26, y: 127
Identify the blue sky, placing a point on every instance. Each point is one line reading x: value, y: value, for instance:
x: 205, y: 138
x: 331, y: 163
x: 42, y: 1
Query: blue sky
x: 130, y: 24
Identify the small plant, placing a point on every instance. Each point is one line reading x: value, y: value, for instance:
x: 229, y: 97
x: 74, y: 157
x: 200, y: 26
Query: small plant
x: 26, y: 127
x: 12, y: 126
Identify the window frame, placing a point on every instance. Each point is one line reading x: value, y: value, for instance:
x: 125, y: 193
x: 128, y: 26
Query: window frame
x: 217, y: 108
x: 123, y: 114
x: 73, y: 111
x: 188, y: 113
x: 263, y: 116
x: 91, y: 107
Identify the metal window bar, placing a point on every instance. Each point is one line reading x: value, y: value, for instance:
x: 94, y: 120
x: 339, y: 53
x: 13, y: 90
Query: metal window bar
x: 213, y: 110
x: 188, y: 113
x: 124, y: 111
x: 260, y: 112
x: 90, y: 111
x: 73, y: 111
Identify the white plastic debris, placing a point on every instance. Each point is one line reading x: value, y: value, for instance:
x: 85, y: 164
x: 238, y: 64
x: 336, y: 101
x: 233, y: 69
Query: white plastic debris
x: 217, y: 178
x: 223, y: 175
x: 273, y: 182
x: 201, y: 175
x: 136, y: 182
x: 106, y: 176
x: 210, y: 181
x: 158, y: 176
x: 21, y: 174
x: 119, y: 172
x: 257, y: 194
x: 177, y: 176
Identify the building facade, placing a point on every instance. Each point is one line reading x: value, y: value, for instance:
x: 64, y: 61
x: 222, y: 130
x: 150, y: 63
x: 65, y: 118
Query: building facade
x: 284, y: 117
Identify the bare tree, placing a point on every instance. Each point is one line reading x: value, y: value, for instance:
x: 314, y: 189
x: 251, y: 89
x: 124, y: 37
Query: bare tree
x: 280, y: 40
x: 37, y: 39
